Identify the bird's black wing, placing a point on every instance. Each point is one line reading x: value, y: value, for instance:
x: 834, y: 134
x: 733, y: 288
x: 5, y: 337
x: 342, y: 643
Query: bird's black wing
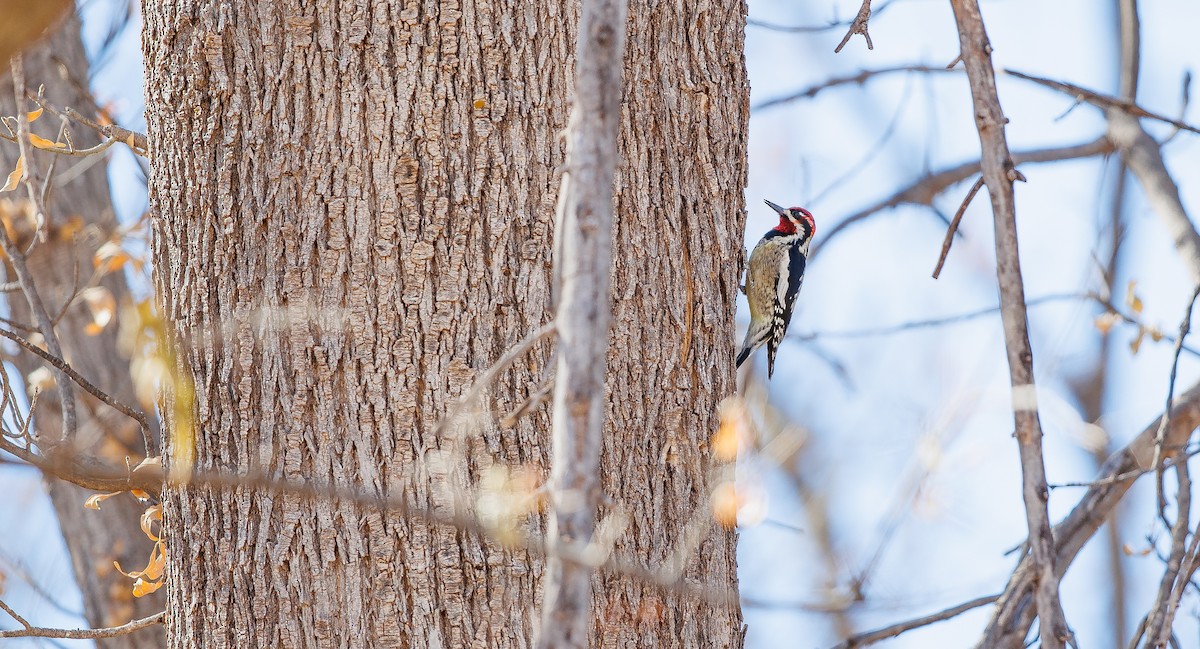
x: 795, y: 278
x: 783, y: 310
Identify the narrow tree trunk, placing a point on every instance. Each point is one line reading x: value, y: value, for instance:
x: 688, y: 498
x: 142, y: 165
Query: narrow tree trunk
x: 60, y: 265
x: 353, y: 217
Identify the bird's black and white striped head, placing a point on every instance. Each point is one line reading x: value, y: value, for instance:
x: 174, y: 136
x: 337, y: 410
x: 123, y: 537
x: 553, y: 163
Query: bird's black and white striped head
x: 794, y: 221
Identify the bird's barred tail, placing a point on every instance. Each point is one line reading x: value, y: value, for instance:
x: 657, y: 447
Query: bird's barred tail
x: 754, y: 339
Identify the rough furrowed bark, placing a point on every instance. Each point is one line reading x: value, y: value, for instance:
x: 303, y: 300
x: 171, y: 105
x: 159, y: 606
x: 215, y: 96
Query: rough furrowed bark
x: 353, y: 216
x: 999, y: 175
x: 60, y: 265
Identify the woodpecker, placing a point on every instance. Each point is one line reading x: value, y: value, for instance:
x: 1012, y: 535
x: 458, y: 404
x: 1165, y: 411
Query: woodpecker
x: 773, y: 280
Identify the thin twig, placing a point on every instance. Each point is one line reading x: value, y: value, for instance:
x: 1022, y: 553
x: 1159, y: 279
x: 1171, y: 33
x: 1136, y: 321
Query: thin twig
x: 871, y: 637
x: 1102, y: 100
x: 14, y: 614
x: 924, y: 190
x: 873, y: 151
x: 69, y: 372
x: 1160, y: 437
x: 17, y: 259
x: 535, y: 399
x: 85, y: 634
x: 859, y: 78
x: 859, y: 26
x: 488, y: 377
x: 818, y: 28
x: 953, y: 229
x: 1159, y: 620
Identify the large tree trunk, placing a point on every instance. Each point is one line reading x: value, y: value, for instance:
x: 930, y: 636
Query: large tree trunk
x: 353, y: 219
x: 60, y: 265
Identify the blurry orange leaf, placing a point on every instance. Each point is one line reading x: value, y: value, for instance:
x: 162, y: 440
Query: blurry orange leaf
x: 724, y: 502
x: 102, y: 305
x: 33, y: 115
x: 139, y: 494
x: 1106, y: 321
x: 93, y: 501
x: 1136, y: 343
x: 732, y: 431
x: 109, y: 257
x: 40, y: 380
x: 1131, y: 299
x: 73, y: 226
x: 14, y: 178
x: 1131, y: 552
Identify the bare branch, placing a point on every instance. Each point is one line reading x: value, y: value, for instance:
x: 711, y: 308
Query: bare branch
x: 66, y: 370
x: 859, y: 78
x: 924, y: 190
x: 664, y: 579
x: 1158, y: 622
x: 819, y: 28
x: 998, y: 171
x: 8, y: 609
x: 582, y: 266
x: 953, y: 229
x: 1014, y: 615
x: 17, y: 259
x: 1106, y: 102
x: 1160, y: 437
x: 1144, y: 157
x: 859, y: 26
x: 84, y: 634
x: 489, y: 376
x: 871, y: 637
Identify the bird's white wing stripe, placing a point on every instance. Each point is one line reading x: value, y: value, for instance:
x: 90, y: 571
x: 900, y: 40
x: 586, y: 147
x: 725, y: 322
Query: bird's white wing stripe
x: 781, y: 280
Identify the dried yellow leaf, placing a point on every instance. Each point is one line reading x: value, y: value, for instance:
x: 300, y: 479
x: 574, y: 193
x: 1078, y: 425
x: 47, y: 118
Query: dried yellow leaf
x: 93, y: 501
x: 154, y: 567
x: 33, y: 115
x: 142, y: 587
x: 14, y: 178
x: 149, y: 516
x: 42, y: 143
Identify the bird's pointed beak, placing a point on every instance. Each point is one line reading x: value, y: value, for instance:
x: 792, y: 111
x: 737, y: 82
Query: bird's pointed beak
x: 780, y: 210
